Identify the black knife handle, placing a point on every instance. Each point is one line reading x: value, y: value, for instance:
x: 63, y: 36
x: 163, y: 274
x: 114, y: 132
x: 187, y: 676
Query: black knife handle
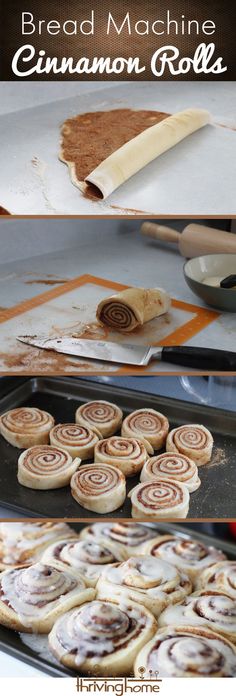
x: 200, y: 358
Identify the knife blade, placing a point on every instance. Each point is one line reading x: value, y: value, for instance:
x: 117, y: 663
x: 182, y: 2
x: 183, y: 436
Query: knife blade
x: 129, y: 354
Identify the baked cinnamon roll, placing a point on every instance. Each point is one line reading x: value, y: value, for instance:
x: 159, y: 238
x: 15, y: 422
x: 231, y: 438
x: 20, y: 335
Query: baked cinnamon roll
x: 159, y: 499
x: 174, y: 466
x: 77, y: 440
x: 189, y: 555
x: 31, y: 599
x: 195, y: 441
x: 25, y: 427
x: 22, y: 543
x: 187, y: 651
x: 145, y: 580
x: 99, y: 487
x: 45, y: 467
x: 220, y: 577
x: 101, y: 638
x: 148, y: 425
x: 126, y: 453
x: 211, y: 610
x: 128, y: 536
x: 85, y: 558
x: 103, y: 417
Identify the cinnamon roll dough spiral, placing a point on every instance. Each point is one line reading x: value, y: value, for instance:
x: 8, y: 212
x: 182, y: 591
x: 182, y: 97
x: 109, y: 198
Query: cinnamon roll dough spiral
x: 103, y: 417
x: 220, y: 577
x: 22, y: 543
x: 126, y: 453
x: 45, y: 467
x: 148, y: 425
x: 175, y: 466
x: 25, y: 427
x: 144, y: 580
x: 128, y: 536
x: 188, y: 555
x: 77, y: 440
x: 210, y: 610
x: 131, y: 308
x: 195, y: 441
x: 101, y: 638
x: 31, y: 599
x: 99, y: 487
x: 187, y: 651
x: 85, y: 558
x: 159, y: 499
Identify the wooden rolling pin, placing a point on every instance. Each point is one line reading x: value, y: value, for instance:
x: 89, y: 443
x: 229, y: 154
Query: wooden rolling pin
x: 195, y: 240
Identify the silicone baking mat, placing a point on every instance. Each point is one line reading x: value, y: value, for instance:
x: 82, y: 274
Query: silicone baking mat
x: 71, y: 309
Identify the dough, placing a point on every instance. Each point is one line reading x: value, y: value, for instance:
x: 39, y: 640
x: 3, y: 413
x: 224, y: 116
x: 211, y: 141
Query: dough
x: 130, y: 309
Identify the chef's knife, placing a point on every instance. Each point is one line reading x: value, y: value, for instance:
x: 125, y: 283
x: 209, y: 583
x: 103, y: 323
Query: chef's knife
x: 129, y: 354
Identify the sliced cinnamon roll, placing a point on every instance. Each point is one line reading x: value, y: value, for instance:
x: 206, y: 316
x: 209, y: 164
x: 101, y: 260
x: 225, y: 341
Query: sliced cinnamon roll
x: 45, y: 467
x: 175, y: 466
x: 84, y: 557
x: 148, y: 425
x: 25, y: 427
x: 187, y: 651
x: 195, y: 441
x: 220, y: 577
x: 208, y: 609
x: 31, y: 599
x: 129, y: 536
x: 131, y: 308
x: 22, y: 543
x: 101, y: 638
x: 126, y: 453
x: 77, y: 440
x: 103, y: 417
x: 158, y: 499
x: 99, y: 487
x: 189, y: 555
x: 145, y: 580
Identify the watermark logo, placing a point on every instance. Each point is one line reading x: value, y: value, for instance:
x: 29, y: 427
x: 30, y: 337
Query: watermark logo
x: 147, y: 683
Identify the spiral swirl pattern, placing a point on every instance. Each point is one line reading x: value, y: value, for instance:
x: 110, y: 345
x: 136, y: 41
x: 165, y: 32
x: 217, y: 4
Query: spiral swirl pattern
x: 220, y: 577
x: 149, y: 425
x: 102, y: 416
x: 212, y: 610
x: 128, y: 454
x: 34, y: 589
x: 186, y: 554
x: 188, y: 652
x: 45, y: 467
x: 93, y: 484
x: 194, y: 441
x: 127, y: 535
x: 161, y: 497
x: 88, y: 558
x: 118, y: 316
x: 92, y: 637
x: 175, y: 466
x: 25, y: 426
x: 22, y: 543
x: 76, y: 439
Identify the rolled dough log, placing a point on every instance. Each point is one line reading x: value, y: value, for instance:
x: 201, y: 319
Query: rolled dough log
x: 131, y: 308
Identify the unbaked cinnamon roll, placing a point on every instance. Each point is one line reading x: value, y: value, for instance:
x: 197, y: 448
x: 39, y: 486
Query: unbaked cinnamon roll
x: 101, y: 638
x: 129, y: 536
x: 189, y: 555
x: 131, y: 308
x: 25, y: 427
x: 148, y: 425
x: 145, y: 580
x: 221, y: 577
x: 103, y: 417
x: 99, y: 487
x: 159, y: 499
x: 208, y: 609
x: 31, y: 599
x: 195, y: 441
x: 187, y: 651
x: 175, y: 466
x: 77, y: 440
x: 22, y: 543
x: 45, y: 467
x: 86, y: 558
x: 126, y: 453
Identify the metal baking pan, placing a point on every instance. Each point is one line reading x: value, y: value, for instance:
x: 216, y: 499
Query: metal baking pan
x: 12, y: 643
x: 61, y: 396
